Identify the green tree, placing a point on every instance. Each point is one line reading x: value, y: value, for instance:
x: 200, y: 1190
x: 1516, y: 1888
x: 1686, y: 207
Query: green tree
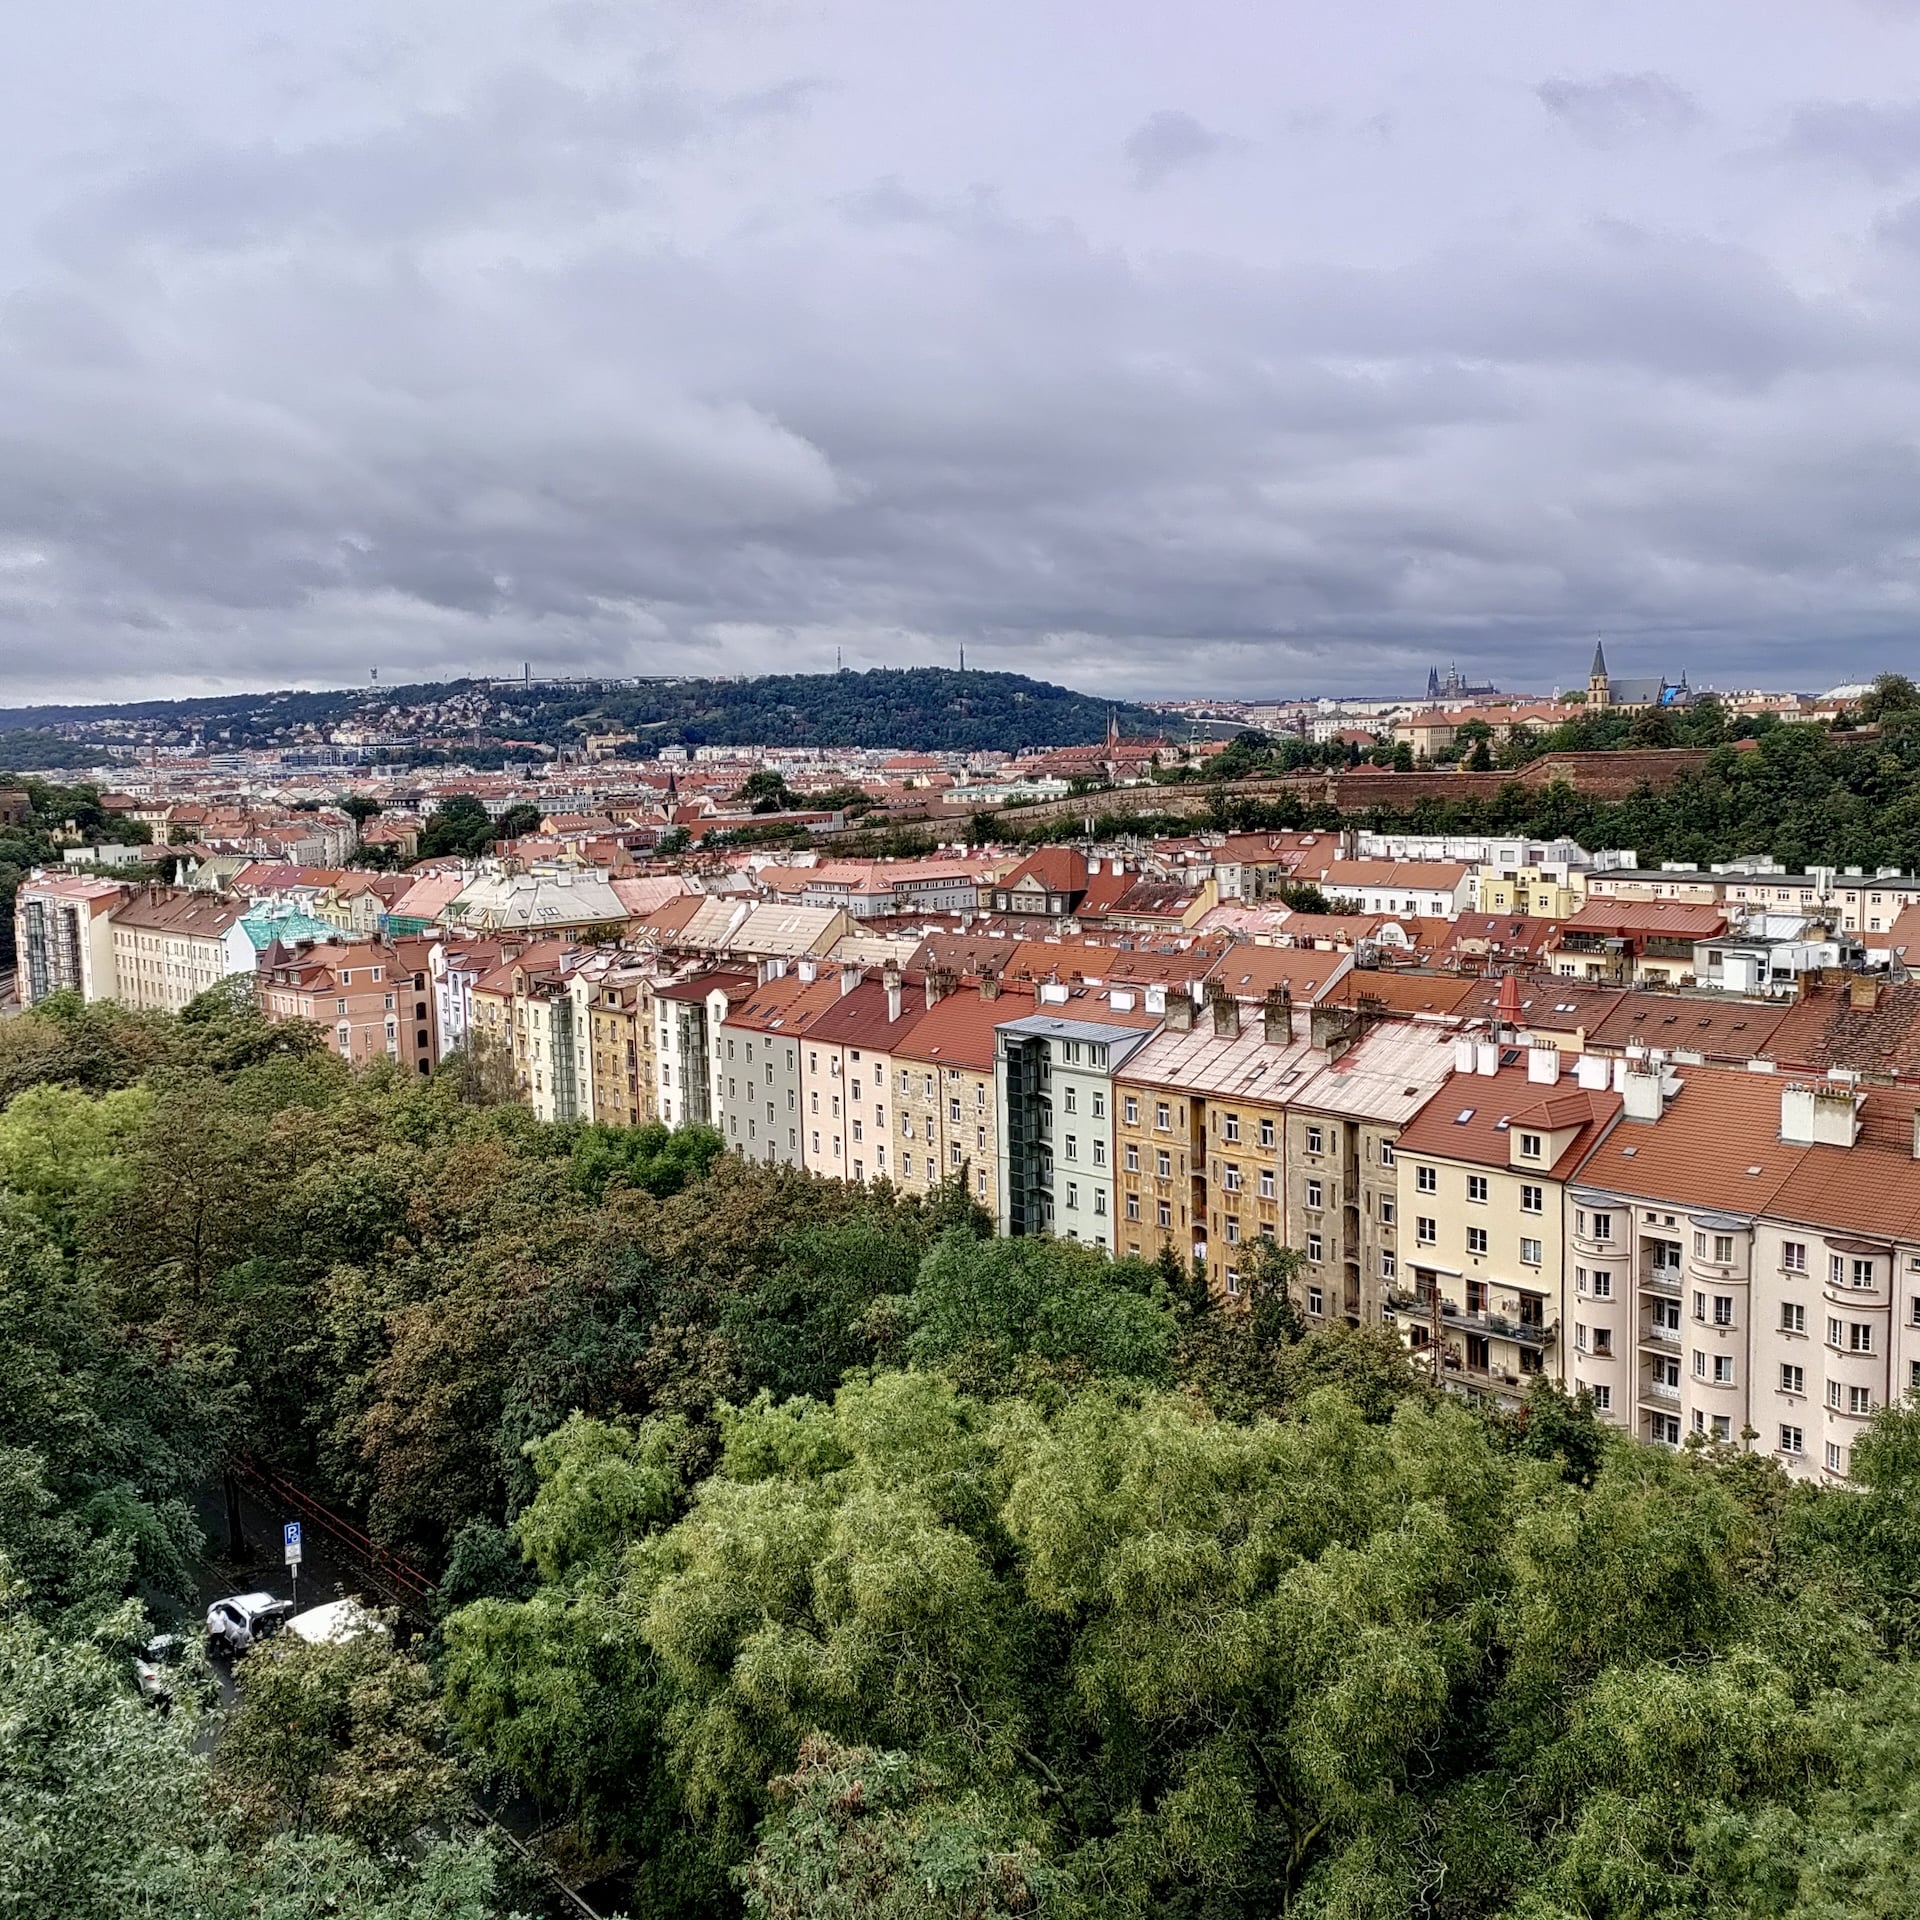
x: 1890, y: 693
x: 765, y: 791
x: 459, y: 825
x: 343, y: 1737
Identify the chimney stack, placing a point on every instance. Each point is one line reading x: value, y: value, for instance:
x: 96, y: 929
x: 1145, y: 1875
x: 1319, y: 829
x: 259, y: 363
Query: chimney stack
x: 1226, y: 1011
x: 989, y: 984
x: 1277, y: 1014
x: 1180, y: 1012
x: 890, y: 979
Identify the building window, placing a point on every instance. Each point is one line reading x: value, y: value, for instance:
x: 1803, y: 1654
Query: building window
x: 1099, y: 1153
x: 1699, y: 1364
x: 1099, y: 1104
x: 1316, y: 1301
x: 1266, y: 1183
x: 1792, y: 1440
x: 1100, y: 1200
x: 1859, y: 1337
x: 1161, y: 1116
x: 1072, y: 1147
x: 1314, y: 1137
x: 1860, y: 1400
x: 1603, y: 1226
x: 1424, y: 1230
x: 1233, y: 1281
x: 1723, y: 1309
x: 1230, y: 1126
x: 1530, y: 1146
x: 1529, y: 1252
x: 1603, y: 1399
x: 1389, y: 1267
x: 1133, y: 1158
x: 1230, y: 1177
x: 1862, y: 1274
x: 1073, y: 1197
x: 1477, y: 1189
x: 1163, y: 1164
x: 1313, y: 1193
x: 1603, y: 1286
x: 1477, y: 1240
x: 1316, y: 1250
x: 1532, y: 1198
x: 1388, y: 1212
x: 1793, y: 1317
x: 1723, y: 1369
x: 1165, y: 1212
x: 1233, y: 1230
x: 1133, y: 1206
x: 1426, y: 1179
x: 1834, y: 1459
x: 1069, y: 1101
x: 1386, y: 1153
x: 1131, y: 1111
x: 1266, y: 1133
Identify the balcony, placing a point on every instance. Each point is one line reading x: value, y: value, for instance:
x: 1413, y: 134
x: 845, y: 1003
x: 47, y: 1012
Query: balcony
x: 1661, y: 1336
x: 1659, y: 1390
x: 1501, y: 1326
x: 1663, y: 1280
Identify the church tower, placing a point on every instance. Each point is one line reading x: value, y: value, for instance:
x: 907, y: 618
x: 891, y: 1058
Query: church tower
x: 1597, y: 693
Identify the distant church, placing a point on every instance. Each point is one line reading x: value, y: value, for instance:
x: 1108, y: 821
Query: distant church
x: 1453, y: 687
x: 1632, y: 696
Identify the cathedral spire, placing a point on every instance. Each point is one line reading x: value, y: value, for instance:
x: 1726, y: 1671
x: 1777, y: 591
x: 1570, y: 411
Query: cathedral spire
x: 1598, y: 671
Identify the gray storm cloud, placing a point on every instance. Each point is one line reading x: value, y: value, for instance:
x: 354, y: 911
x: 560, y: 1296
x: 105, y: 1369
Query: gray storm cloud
x: 727, y: 339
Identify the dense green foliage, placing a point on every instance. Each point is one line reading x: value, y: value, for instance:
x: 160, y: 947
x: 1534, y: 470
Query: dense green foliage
x: 60, y: 816
x: 920, y: 709
x: 817, y: 1554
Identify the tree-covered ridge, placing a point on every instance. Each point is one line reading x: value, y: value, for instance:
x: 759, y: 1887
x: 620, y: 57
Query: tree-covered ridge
x: 820, y: 1555
x: 918, y: 709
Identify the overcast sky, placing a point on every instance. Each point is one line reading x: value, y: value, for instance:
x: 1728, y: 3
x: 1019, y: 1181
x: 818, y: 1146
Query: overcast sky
x: 1238, y: 346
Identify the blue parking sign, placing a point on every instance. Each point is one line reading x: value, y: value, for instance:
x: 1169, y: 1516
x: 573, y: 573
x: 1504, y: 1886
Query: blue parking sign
x: 291, y: 1533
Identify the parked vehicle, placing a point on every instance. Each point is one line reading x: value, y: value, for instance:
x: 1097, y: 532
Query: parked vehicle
x: 336, y: 1621
x: 243, y: 1619
x: 168, y: 1665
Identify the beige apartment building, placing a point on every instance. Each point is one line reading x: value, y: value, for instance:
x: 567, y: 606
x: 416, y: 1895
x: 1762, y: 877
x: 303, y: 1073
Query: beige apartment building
x: 1745, y: 1261
x: 1341, y: 1141
x: 63, y: 936
x: 171, y: 946
x: 943, y: 1088
x: 1482, y: 1172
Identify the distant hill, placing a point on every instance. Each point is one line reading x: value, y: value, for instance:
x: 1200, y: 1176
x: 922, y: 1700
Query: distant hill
x: 924, y: 709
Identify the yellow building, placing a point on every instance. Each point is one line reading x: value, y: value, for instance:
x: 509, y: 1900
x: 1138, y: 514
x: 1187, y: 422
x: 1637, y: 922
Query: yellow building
x: 1482, y: 1172
x: 1541, y: 893
x: 945, y: 1116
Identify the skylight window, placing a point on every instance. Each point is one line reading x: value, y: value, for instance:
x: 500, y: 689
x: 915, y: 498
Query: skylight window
x: 1461, y: 1118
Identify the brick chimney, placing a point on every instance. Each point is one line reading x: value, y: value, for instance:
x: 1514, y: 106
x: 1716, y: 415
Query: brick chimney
x: 1226, y: 1011
x: 1277, y: 1015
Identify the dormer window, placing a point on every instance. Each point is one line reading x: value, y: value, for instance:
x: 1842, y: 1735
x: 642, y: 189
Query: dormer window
x: 1530, y: 1146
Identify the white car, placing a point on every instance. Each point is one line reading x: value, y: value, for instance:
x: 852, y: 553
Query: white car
x: 243, y: 1619
x: 338, y: 1620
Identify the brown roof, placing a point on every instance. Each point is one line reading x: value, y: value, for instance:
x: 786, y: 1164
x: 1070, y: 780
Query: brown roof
x: 154, y: 910
x: 859, y: 1018
x: 1719, y: 1029
x: 1665, y: 919
x: 958, y: 1030
x: 1403, y: 992
x: 1471, y: 1118
x: 1548, y: 1003
x: 1250, y: 973
x: 1827, y: 1030
x: 1718, y: 1146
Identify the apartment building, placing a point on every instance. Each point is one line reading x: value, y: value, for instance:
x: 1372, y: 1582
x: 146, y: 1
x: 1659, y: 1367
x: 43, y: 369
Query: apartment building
x: 948, y: 1117
x: 847, y: 1073
x: 63, y: 936
x: 1201, y: 1112
x: 1633, y: 944
x: 1745, y: 1254
x: 1053, y: 1110
x: 620, y: 1044
x: 760, y: 1075
x: 171, y: 945
x: 1482, y: 1171
x: 687, y: 1018
x: 359, y: 995
x: 1340, y: 1150
x: 1421, y: 889
x: 1551, y: 892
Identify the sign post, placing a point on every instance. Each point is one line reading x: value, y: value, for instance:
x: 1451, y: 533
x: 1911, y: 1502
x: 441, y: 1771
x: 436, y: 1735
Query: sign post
x: 291, y: 1534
